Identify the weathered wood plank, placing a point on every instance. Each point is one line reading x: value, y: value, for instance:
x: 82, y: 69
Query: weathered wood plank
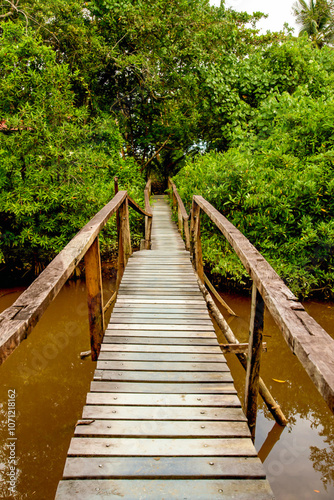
x: 160, y: 357
x: 155, y: 489
x: 162, y: 366
x: 228, y: 447
x: 153, y: 376
x: 152, y: 319
x: 157, y: 310
x: 158, y: 399
x: 164, y: 387
x: 140, y: 467
x: 123, y: 301
x: 161, y: 429
x: 158, y: 340
x: 159, y: 333
x: 161, y: 348
x: 160, y: 326
x: 189, y: 413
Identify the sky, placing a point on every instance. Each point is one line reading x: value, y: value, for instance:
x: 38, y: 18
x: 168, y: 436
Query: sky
x: 279, y: 12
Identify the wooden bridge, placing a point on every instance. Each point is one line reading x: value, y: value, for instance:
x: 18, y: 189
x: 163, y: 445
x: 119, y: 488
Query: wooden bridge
x: 163, y: 419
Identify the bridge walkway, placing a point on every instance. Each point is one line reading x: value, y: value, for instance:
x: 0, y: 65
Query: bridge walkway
x: 162, y: 419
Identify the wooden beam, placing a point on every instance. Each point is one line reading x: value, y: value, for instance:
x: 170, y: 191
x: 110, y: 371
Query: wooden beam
x: 196, y: 240
x: 253, y: 359
x: 94, y: 297
x: 110, y: 301
x: 137, y: 208
x: 148, y: 219
x: 305, y: 337
x: 217, y: 296
x: 17, y: 321
x: 272, y: 406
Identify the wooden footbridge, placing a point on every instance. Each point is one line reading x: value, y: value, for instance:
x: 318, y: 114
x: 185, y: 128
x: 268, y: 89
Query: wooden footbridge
x: 162, y: 419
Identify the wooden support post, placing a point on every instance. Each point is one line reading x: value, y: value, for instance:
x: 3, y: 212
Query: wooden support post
x: 180, y: 220
x: 124, y: 242
x: 272, y: 406
x: 196, y: 240
x: 117, y: 211
x: 174, y: 200
x: 186, y: 234
x: 94, y: 297
x: 253, y: 359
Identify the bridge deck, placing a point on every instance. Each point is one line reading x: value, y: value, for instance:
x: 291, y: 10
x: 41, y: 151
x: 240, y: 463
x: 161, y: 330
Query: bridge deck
x: 162, y: 419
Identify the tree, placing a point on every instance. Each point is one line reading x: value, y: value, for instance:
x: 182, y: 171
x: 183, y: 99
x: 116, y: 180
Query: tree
x: 57, y: 163
x: 316, y: 20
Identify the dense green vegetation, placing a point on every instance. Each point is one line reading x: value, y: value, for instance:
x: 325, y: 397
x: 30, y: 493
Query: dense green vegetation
x: 90, y: 90
x: 275, y: 182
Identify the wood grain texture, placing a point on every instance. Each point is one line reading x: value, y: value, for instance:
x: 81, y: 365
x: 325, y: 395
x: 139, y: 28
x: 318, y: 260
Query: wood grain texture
x: 157, y: 489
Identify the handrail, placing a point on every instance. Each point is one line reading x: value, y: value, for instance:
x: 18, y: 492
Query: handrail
x: 196, y: 251
x: 18, y: 320
x: 182, y: 215
x: 305, y: 337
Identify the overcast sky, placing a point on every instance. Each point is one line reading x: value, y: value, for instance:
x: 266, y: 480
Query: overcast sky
x: 279, y: 12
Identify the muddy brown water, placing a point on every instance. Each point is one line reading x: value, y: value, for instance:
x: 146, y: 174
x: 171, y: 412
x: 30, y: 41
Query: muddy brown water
x: 50, y: 381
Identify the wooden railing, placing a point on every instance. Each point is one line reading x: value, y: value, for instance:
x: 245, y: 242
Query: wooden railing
x: 182, y: 216
x: 17, y: 321
x: 305, y: 337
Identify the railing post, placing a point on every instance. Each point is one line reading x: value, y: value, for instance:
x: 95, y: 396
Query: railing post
x: 186, y: 234
x: 94, y: 297
x: 117, y: 211
x: 254, y: 358
x: 148, y: 220
x: 180, y: 219
x: 124, y: 241
x: 196, y: 240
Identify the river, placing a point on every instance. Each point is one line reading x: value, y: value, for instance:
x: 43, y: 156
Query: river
x: 50, y: 381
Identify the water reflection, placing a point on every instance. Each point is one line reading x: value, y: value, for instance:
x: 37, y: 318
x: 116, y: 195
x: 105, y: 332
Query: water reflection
x: 299, y: 459
x: 51, y: 382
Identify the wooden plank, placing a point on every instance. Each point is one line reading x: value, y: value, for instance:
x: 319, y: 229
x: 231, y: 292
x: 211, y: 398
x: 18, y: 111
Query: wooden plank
x: 158, y: 340
x: 160, y: 309
x: 161, y: 326
x: 137, y: 467
x: 17, y: 321
x: 215, y: 489
x: 162, y: 366
x: 190, y: 413
x: 123, y: 301
x: 154, y: 376
x: 161, y: 293
x: 158, y: 399
x: 161, y: 429
x: 222, y: 489
x: 161, y: 348
x: 83, y: 446
x: 153, y: 320
x: 164, y: 387
x: 160, y: 357
x: 159, y: 334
